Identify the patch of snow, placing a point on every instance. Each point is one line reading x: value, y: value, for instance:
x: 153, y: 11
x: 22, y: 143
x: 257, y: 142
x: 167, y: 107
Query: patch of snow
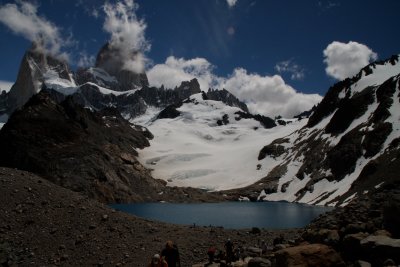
x: 102, y: 74
x: 347, y: 200
x: 3, y: 120
x: 63, y: 86
x: 378, y: 185
x: 380, y: 74
x: 241, y: 198
x: 106, y: 91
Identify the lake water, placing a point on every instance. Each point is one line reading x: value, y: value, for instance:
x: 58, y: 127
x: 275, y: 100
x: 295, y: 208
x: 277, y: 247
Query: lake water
x: 237, y: 215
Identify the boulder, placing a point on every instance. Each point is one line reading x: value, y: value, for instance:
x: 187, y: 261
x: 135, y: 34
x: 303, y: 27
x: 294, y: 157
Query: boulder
x: 325, y: 236
x: 391, y: 216
x: 308, y: 255
x: 377, y: 249
x: 259, y: 262
x: 351, y: 245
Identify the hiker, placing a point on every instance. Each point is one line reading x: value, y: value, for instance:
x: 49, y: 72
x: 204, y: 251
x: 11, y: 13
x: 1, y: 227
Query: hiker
x: 264, y: 247
x: 211, y: 253
x: 157, y: 261
x: 171, y: 254
x: 229, y: 251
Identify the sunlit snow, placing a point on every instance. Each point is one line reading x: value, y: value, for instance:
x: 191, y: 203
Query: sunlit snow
x: 192, y: 150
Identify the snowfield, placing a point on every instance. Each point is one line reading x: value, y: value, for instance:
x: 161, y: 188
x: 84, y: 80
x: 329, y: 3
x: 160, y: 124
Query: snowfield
x: 192, y: 150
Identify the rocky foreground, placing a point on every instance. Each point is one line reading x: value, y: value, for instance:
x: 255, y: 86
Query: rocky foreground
x: 43, y: 224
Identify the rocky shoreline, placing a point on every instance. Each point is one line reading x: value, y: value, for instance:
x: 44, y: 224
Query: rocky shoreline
x: 43, y: 224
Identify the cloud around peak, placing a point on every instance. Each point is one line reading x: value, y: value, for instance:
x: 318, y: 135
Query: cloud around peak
x: 268, y: 95
x: 22, y: 19
x: 344, y: 60
x: 127, y: 34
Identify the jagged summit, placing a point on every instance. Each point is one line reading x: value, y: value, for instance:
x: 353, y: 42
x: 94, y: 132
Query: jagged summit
x: 34, y: 70
x: 109, y: 59
x: 106, y: 84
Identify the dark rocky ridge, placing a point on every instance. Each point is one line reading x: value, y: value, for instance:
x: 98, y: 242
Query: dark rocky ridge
x: 319, y: 158
x: 226, y: 97
x: 88, y: 152
x: 331, y: 101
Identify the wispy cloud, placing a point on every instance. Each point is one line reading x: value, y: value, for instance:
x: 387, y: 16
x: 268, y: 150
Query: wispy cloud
x: 231, y: 3
x: 326, y: 5
x: 22, y: 19
x: 344, y: 60
x: 289, y: 66
x: 127, y: 34
x: 268, y: 95
x: 85, y: 60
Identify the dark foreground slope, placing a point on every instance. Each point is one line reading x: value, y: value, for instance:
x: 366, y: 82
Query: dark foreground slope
x: 42, y: 224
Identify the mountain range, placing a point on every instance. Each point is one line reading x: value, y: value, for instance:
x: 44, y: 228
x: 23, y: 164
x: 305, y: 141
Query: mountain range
x: 105, y: 132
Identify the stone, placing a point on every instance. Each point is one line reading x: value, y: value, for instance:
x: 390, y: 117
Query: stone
x: 308, y: 255
x: 259, y: 262
x: 325, y: 236
x: 377, y: 249
x: 361, y: 263
x: 351, y: 245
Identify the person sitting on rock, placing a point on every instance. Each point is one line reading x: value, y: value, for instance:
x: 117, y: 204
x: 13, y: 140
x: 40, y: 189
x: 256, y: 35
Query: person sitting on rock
x: 157, y: 261
x: 171, y: 254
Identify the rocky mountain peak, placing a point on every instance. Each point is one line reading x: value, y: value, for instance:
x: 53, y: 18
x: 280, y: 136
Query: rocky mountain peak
x: 348, y: 146
x: 226, y: 97
x: 340, y: 93
x: 34, y: 68
x: 109, y: 59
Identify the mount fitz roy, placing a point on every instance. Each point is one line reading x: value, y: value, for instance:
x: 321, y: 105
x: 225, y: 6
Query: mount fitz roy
x: 67, y: 126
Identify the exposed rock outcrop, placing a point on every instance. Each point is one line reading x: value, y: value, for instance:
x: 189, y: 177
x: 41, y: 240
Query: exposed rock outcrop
x: 348, y: 145
x: 109, y: 59
x: 34, y: 68
x: 86, y: 151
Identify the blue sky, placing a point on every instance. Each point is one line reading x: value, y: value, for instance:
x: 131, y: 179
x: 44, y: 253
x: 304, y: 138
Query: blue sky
x: 226, y: 43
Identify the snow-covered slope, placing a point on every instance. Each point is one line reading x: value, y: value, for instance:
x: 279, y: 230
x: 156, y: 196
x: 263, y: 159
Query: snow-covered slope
x: 353, y: 133
x: 207, y: 147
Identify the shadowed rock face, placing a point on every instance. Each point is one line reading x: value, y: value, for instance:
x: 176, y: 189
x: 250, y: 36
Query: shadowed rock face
x: 110, y: 60
x: 91, y: 152
x: 31, y: 76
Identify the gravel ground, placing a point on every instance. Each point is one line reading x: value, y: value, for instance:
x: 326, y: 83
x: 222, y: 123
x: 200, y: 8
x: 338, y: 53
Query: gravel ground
x: 43, y: 224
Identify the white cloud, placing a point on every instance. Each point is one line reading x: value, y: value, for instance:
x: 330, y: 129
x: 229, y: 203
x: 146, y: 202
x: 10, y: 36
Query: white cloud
x: 5, y: 86
x: 23, y: 20
x: 345, y: 60
x: 231, y: 3
x: 85, y: 60
x: 268, y: 95
x: 296, y: 71
x: 127, y: 34
x: 176, y: 70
